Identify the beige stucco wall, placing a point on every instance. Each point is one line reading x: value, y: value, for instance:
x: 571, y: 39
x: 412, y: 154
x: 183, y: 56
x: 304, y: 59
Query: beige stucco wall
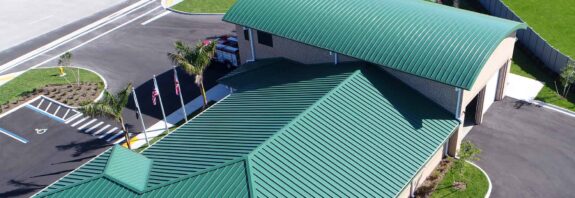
x: 498, y: 59
x: 423, y: 173
x: 440, y: 93
x: 286, y: 48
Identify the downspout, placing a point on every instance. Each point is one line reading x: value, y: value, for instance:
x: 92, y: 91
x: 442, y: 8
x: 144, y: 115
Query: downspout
x: 458, y: 106
x: 253, y: 50
x: 335, y: 58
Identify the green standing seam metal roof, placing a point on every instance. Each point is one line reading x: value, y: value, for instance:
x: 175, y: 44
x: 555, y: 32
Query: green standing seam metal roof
x: 129, y: 168
x: 426, y: 39
x: 291, y: 130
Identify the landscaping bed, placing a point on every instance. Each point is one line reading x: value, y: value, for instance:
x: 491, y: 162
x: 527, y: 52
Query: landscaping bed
x: 47, y: 82
x: 472, y: 183
x: 204, y: 6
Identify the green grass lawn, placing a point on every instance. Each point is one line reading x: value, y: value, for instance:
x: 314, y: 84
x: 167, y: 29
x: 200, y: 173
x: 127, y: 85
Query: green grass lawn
x: 476, y: 184
x: 204, y: 6
x: 38, y: 78
x: 553, y: 20
x: 524, y: 65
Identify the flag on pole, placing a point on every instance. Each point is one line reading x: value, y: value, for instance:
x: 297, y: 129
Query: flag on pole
x: 177, y: 83
x: 155, y: 95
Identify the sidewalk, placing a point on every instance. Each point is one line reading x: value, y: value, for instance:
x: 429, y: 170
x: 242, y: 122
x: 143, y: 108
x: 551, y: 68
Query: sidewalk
x: 216, y: 93
x: 5, y: 78
x: 522, y: 88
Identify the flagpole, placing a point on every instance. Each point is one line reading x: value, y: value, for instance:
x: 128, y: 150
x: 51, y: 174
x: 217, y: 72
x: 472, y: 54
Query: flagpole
x: 140, y: 113
x: 161, y: 104
x: 180, y: 94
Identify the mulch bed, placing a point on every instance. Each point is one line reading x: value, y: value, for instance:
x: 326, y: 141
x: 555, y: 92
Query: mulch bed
x: 431, y: 182
x: 72, y: 95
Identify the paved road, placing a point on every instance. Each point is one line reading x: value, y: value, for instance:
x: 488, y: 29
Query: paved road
x: 528, y: 151
x: 22, y: 21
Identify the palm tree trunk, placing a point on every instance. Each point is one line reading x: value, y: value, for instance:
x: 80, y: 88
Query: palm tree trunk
x: 203, y: 89
x: 126, y: 135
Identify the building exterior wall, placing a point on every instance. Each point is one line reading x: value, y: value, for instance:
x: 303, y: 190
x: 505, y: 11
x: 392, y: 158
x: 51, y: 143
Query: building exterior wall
x: 285, y: 48
x: 440, y: 93
x: 420, y: 177
x: 502, y: 54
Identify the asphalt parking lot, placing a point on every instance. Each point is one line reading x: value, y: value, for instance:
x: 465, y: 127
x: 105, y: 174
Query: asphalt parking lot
x: 46, y: 149
x: 527, y: 151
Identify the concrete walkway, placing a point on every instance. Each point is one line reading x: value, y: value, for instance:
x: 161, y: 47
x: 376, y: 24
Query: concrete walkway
x: 522, y: 88
x: 216, y: 93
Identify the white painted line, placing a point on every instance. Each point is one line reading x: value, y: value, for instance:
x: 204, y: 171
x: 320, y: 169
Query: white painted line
x: 89, y: 41
x: 110, y: 131
x: 120, y: 140
x: 57, y: 109
x: 65, y: 114
x: 93, y: 127
x: 101, y: 129
x: 156, y: 17
x: 80, y: 121
x: 78, y: 33
x: 41, y: 101
x: 115, y: 136
x: 49, y: 104
x: 87, y: 123
x: 41, y: 19
x: 73, y: 118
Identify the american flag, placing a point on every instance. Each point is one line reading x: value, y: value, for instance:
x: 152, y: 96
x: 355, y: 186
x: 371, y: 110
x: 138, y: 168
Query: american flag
x: 177, y: 82
x: 155, y: 95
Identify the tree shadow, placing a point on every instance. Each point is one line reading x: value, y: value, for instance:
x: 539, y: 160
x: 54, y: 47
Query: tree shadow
x: 25, y: 188
x: 54, y: 173
x: 74, y: 160
x: 83, y: 147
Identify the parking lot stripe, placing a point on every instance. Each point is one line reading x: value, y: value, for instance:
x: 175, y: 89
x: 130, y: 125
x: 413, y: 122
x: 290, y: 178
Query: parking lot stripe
x: 41, y: 101
x: 101, y: 129
x: 73, y: 118
x: 110, y: 131
x: 44, y: 113
x: 115, y: 136
x: 87, y: 123
x: 120, y: 140
x: 65, y: 114
x: 93, y: 127
x: 80, y: 121
x: 57, y: 109
x: 17, y: 137
x: 49, y: 104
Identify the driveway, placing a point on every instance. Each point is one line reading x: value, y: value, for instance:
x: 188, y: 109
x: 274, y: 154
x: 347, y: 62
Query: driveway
x: 528, y: 151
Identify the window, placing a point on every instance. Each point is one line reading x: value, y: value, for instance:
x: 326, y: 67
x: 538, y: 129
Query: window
x: 246, y: 34
x: 265, y: 38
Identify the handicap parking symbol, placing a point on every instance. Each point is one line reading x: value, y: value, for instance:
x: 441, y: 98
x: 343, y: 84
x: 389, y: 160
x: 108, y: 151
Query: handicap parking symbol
x: 41, y: 131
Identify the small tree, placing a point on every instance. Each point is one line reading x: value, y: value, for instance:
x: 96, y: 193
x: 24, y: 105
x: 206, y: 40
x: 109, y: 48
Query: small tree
x: 567, y: 78
x: 111, y: 106
x: 467, y: 152
x: 65, y: 60
x: 194, y: 60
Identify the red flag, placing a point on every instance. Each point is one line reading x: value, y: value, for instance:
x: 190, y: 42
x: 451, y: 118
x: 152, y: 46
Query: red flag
x: 155, y: 95
x: 177, y: 82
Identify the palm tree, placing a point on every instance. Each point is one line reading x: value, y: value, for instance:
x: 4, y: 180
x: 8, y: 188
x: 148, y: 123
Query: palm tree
x: 111, y: 106
x: 194, y: 60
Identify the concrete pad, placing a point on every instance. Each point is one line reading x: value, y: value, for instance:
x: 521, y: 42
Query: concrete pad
x: 21, y: 21
x: 522, y: 88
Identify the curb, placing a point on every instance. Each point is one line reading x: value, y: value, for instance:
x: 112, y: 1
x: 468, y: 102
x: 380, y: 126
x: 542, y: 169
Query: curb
x: 90, y: 70
x: 192, y: 14
x: 488, y: 193
x: 553, y: 107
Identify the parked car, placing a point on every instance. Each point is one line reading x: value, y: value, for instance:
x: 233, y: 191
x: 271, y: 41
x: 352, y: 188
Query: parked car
x: 227, y: 51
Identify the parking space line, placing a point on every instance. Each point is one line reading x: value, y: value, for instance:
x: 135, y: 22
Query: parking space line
x: 115, y: 136
x: 12, y: 135
x: 65, y: 114
x: 156, y: 17
x: 80, y: 121
x: 120, y: 140
x: 105, y: 134
x: 57, y: 109
x: 101, y: 129
x: 73, y: 118
x: 41, y: 101
x: 87, y: 123
x: 49, y: 104
x: 44, y: 113
x: 93, y: 127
